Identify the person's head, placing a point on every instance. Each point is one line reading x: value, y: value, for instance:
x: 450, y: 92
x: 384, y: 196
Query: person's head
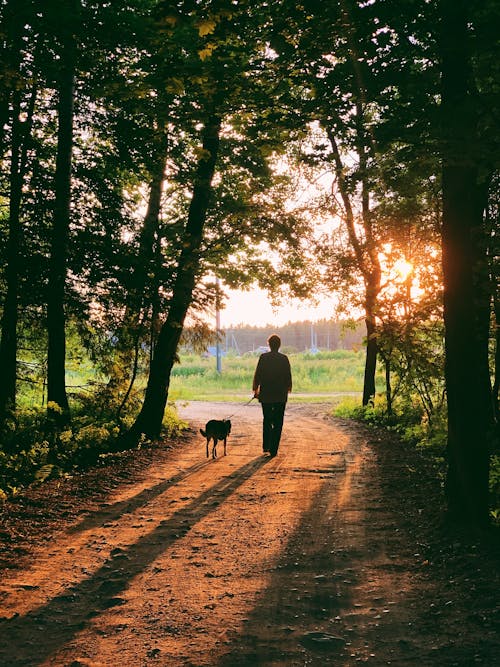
x: 274, y: 342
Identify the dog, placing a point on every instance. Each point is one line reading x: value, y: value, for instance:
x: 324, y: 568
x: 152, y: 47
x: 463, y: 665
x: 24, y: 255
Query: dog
x: 216, y: 429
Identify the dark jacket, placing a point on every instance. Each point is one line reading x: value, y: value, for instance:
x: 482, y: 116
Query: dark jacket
x: 272, y: 378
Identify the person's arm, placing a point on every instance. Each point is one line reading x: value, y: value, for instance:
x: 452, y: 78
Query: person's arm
x: 256, y: 379
x: 289, y: 376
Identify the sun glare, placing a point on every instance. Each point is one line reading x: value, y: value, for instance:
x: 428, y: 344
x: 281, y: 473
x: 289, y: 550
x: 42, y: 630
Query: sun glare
x: 403, y: 268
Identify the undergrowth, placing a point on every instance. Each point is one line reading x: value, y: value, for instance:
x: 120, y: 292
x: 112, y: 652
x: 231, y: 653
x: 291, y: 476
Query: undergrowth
x: 411, y: 423
x: 35, y: 448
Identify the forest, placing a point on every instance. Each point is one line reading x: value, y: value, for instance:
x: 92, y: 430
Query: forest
x: 154, y: 152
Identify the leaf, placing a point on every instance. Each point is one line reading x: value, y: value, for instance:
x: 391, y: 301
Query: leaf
x: 207, y: 51
x: 199, y: 80
x: 206, y: 27
x: 174, y: 85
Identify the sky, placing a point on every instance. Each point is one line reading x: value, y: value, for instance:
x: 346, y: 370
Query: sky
x: 254, y: 308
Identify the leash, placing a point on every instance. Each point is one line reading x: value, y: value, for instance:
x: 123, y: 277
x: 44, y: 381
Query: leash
x: 242, y: 406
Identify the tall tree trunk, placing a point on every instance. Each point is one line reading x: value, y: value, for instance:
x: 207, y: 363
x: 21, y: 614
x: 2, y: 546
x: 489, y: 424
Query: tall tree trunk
x: 149, y: 420
x: 149, y: 234
x: 371, y: 344
x: 366, y: 259
x: 21, y: 131
x: 136, y: 297
x: 15, y: 14
x: 388, y: 386
x: 466, y: 296
x: 8, y: 344
x: 134, y: 319
x: 56, y: 317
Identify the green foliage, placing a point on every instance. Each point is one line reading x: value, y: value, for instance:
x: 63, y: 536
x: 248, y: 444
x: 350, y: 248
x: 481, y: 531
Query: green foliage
x: 408, y: 420
x: 26, y: 453
x: 148, y: 74
x: 34, y: 450
x: 413, y: 350
x: 188, y: 371
x: 172, y: 425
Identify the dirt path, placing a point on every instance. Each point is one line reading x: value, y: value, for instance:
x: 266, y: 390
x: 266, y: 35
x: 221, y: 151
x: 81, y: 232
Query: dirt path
x: 320, y: 556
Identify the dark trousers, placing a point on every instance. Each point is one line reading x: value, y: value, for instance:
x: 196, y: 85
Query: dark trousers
x: 272, y: 427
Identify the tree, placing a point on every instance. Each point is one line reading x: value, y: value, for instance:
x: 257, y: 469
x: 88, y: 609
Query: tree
x: 149, y: 420
x: 56, y: 375
x: 13, y: 17
x: 466, y: 288
x: 332, y: 86
x: 366, y: 256
x: 18, y: 97
x: 214, y: 72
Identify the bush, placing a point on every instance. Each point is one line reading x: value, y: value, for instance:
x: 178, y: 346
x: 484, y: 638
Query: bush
x: 28, y: 451
x: 34, y: 449
x: 408, y: 419
x: 172, y: 425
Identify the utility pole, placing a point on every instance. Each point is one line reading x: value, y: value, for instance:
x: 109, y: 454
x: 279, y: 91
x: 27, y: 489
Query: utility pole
x: 217, y: 327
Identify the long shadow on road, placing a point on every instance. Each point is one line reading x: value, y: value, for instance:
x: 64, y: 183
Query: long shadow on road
x: 307, y: 590
x: 32, y: 638
x: 115, y: 510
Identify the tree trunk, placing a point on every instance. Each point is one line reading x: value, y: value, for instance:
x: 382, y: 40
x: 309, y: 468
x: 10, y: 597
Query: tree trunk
x: 56, y: 318
x: 388, y: 386
x: 149, y: 420
x: 466, y: 292
x: 137, y: 300
x: 369, y: 388
x: 14, y: 16
x: 20, y: 134
x: 149, y: 233
x: 365, y: 254
x: 371, y: 353
x: 8, y: 344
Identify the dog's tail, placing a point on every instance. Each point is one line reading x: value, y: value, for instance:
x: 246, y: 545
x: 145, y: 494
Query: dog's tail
x: 203, y: 433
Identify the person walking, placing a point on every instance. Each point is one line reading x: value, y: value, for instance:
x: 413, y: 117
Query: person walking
x: 272, y: 383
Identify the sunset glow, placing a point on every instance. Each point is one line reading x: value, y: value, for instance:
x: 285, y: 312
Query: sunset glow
x: 403, y: 268
x: 254, y: 307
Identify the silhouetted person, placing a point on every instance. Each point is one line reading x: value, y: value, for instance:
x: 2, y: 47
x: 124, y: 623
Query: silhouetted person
x: 272, y: 382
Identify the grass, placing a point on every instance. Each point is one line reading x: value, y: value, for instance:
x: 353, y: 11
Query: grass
x: 331, y: 373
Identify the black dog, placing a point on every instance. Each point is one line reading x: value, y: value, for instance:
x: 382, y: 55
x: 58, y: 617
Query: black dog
x: 216, y: 429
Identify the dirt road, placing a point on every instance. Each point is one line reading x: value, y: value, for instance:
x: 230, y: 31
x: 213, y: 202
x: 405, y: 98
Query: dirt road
x: 315, y: 557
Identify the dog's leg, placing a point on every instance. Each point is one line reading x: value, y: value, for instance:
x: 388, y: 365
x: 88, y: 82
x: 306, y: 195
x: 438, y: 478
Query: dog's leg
x: 208, y: 439
x: 225, y: 440
x: 214, y: 449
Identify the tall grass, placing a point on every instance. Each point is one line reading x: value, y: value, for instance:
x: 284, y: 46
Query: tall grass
x: 196, y: 378
x: 339, y: 371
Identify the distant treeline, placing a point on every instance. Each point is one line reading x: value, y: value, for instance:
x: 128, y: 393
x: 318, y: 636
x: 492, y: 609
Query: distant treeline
x: 296, y: 336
